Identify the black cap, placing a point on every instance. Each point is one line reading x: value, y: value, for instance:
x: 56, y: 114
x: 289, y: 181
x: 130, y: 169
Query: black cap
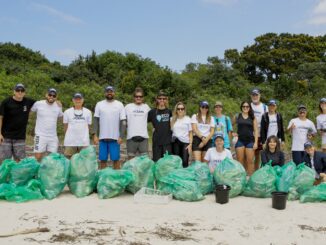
x: 109, y: 88
x: 301, y: 107
x: 272, y: 102
x: 161, y: 93
x: 322, y: 100
x: 78, y: 96
x: 308, y: 144
x: 52, y: 91
x: 203, y: 103
x: 218, y: 135
x: 255, y: 91
x: 19, y: 86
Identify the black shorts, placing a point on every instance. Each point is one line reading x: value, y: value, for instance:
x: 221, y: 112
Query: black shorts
x: 195, y: 143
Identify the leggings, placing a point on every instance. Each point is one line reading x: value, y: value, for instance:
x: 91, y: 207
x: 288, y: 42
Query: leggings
x: 179, y: 148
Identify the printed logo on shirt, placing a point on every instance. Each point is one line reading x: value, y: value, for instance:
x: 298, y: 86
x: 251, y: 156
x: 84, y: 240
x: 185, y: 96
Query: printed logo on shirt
x: 24, y: 108
x: 163, y: 118
x: 158, y: 118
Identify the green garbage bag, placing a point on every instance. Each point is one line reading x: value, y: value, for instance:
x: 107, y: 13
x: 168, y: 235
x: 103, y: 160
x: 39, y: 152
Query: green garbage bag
x: 142, y: 169
x: 53, y: 174
x: 261, y: 183
x: 13, y: 193
x: 24, y: 171
x: 304, y: 178
x: 231, y: 172
x: 166, y: 165
x: 315, y: 194
x: 285, y: 176
x: 5, y: 168
x: 182, y: 185
x: 202, y: 176
x: 83, y: 168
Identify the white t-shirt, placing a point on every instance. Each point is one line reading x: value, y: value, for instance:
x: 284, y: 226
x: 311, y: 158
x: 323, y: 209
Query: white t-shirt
x: 110, y: 114
x: 46, y: 118
x: 321, y: 124
x: 299, y: 133
x: 214, y: 158
x: 259, y: 110
x: 77, y: 133
x: 203, y: 128
x: 137, y: 120
x: 181, y: 129
x: 272, y: 127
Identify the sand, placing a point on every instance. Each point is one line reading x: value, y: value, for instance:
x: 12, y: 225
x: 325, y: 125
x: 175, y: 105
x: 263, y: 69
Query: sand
x: 119, y: 220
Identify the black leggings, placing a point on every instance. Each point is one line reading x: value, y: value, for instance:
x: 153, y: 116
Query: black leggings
x: 159, y: 151
x: 179, y: 148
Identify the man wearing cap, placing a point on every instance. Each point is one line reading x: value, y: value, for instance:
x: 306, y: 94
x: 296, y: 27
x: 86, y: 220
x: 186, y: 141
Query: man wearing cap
x: 272, y: 123
x: 14, y: 112
x: 223, y: 124
x: 109, y: 128
x: 302, y: 130
x: 321, y: 122
x: 315, y: 160
x: 259, y: 109
x: 47, y: 113
x: 76, y: 122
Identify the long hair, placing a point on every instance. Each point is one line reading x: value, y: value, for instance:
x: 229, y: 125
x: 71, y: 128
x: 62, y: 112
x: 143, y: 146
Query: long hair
x: 174, y: 113
x: 200, y: 119
x: 274, y: 138
x: 320, y: 109
x: 250, y: 112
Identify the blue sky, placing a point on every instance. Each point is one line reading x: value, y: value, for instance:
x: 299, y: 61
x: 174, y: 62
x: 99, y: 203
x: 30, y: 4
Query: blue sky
x: 170, y: 32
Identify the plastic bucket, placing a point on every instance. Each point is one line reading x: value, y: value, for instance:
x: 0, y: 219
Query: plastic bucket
x: 279, y: 200
x: 222, y: 193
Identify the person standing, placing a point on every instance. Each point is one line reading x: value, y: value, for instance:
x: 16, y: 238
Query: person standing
x: 47, y: 113
x: 76, y: 123
x: 137, y: 134
x: 302, y: 130
x: 109, y: 128
x: 14, y: 113
x: 160, y: 119
x: 181, y: 133
x: 321, y: 123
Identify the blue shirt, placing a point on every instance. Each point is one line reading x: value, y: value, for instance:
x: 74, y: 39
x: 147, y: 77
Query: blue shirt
x: 223, y: 124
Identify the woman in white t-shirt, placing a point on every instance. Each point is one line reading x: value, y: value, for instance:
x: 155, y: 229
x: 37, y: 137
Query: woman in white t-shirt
x: 321, y: 122
x: 203, y: 125
x: 181, y: 133
x: 217, y: 154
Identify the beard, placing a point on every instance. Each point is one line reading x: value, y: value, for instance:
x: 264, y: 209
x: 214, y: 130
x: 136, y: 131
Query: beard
x: 109, y: 97
x: 50, y: 101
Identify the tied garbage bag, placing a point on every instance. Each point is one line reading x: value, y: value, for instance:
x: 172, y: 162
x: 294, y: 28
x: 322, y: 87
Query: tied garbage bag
x: 304, y: 178
x: 5, y: 168
x: 315, y: 194
x: 112, y: 182
x: 261, y: 183
x: 182, y: 185
x: 285, y: 176
x: 24, y: 171
x: 166, y: 165
x: 142, y: 169
x: 14, y: 193
x: 231, y: 172
x: 202, y: 176
x: 53, y: 174
x: 83, y: 168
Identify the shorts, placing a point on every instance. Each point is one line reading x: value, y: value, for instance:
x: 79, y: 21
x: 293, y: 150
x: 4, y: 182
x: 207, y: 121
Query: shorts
x: 135, y: 148
x: 71, y: 150
x: 248, y: 145
x: 45, y: 144
x: 12, y: 148
x: 109, y: 147
x: 196, y: 142
x: 259, y: 145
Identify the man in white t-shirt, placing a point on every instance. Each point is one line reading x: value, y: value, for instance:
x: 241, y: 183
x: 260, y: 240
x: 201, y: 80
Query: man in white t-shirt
x: 302, y: 130
x: 259, y: 109
x: 137, y: 134
x: 47, y: 113
x: 109, y: 128
x: 76, y: 122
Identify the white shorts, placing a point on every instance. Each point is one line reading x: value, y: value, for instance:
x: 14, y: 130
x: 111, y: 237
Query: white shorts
x: 45, y: 144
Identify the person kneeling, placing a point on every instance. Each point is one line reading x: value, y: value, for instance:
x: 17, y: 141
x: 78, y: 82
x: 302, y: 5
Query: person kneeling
x: 315, y: 160
x: 272, y: 152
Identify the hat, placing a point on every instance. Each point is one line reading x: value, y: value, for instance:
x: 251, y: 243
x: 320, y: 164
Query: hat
x: 19, y: 85
x: 272, y: 102
x: 218, y: 103
x: 161, y: 93
x: 109, y: 88
x: 308, y: 144
x: 218, y: 135
x: 78, y: 96
x: 322, y: 100
x: 301, y: 107
x: 203, y: 103
x: 255, y: 91
x: 52, y: 90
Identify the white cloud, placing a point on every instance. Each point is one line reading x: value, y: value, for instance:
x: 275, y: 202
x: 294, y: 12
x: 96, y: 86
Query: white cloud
x: 220, y: 2
x: 318, y: 20
x: 321, y: 7
x: 67, y: 53
x: 57, y: 13
x: 318, y: 14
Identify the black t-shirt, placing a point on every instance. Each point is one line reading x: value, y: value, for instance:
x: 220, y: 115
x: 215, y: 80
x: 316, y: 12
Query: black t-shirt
x: 245, y: 129
x: 161, y: 123
x: 15, y: 117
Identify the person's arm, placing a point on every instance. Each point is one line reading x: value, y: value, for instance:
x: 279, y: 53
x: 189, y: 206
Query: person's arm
x: 255, y: 134
x: 282, y: 136
x: 123, y: 127
x: 263, y: 131
x: 291, y: 126
x: 65, y: 127
x: 1, y: 136
x: 264, y: 159
x: 282, y: 158
x: 96, y: 126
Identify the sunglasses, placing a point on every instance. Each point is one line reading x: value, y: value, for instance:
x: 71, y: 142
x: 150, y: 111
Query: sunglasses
x: 245, y: 106
x: 181, y: 109
x: 217, y: 106
x: 162, y: 98
x: 301, y: 112
x: 20, y: 90
x: 52, y: 95
x: 138, y: 96
x: 204, y: 107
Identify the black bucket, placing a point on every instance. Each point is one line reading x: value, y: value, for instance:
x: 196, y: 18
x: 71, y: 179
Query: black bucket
x: 279, y: 199
x: 222, y: 193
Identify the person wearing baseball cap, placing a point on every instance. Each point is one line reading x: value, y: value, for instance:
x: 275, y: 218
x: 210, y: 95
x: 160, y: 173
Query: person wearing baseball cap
x: 321, y: 122
x: 14, y: 113
x: 315, y: 160
x: 215, y: 155
x: 76, y: 123
x: 302, y: 130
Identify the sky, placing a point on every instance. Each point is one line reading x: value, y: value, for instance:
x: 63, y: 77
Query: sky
x: 173, y: 33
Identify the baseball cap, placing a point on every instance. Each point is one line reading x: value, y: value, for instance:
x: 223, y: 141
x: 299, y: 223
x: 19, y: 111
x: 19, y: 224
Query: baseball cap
x: 272, y: 102
x: 109, y: 88
x: 78, y: 96
x: 52, y: 91
x: 218, y: 103
x: 308, y: 144
x: 161, y: 93
x: 203, y: 103
x: 19, y: 86
x: 323, y: 100
x: 218, y: 135
x: 301, y: 107
x: 255, y: 91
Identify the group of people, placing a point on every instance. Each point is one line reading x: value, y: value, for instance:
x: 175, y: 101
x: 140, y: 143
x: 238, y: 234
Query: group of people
x: 206, y: 136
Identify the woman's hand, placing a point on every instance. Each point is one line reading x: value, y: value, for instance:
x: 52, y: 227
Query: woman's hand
x: 255, y: 146
x: 189, y: 148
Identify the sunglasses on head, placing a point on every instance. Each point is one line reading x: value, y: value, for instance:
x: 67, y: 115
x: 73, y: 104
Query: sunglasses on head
x: 52, y: 95
x: 180, y: 109
x: 20, y: 90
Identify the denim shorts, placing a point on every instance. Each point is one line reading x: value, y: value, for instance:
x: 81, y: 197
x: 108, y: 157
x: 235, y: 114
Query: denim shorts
x: 248, y: 145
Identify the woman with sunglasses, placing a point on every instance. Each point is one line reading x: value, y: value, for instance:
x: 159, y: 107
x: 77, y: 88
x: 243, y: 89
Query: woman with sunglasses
x: 181, y: 133
x: 203, y: 129
x: 247, y: 132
